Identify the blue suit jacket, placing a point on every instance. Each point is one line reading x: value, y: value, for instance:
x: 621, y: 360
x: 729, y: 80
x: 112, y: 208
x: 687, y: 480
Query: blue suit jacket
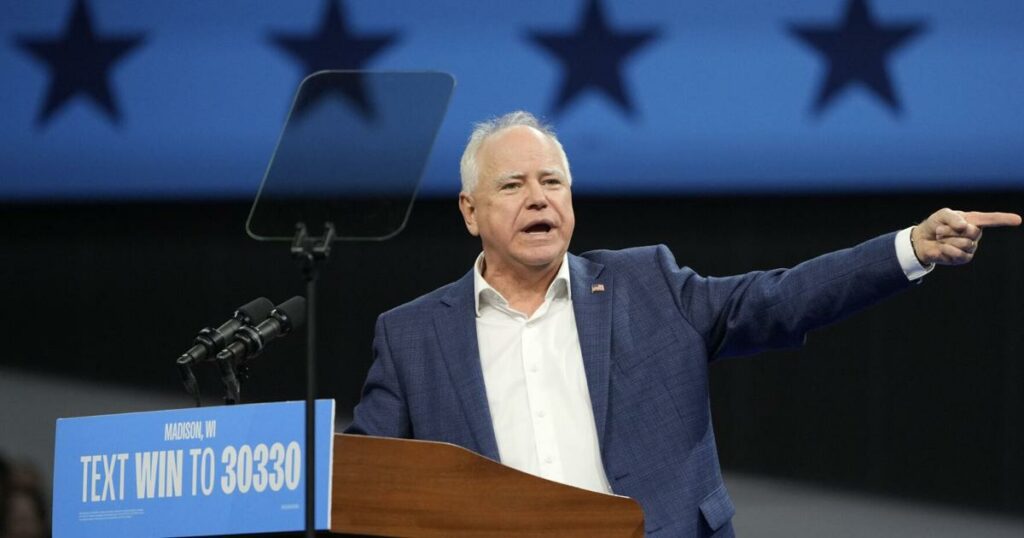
x: 647, y: 340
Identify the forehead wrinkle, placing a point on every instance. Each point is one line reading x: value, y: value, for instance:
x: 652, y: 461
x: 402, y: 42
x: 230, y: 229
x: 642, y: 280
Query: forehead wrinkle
x: 507, y: 149
x: 514, y: 174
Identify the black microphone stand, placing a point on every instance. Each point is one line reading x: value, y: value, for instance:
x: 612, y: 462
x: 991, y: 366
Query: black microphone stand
x: 188, y: 378
x: 309, y: 252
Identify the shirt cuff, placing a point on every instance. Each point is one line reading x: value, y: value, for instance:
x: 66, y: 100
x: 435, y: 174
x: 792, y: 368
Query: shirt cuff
x: 908, y: 260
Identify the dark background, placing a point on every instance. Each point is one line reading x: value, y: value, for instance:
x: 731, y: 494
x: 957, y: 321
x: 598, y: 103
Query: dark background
x: 921, y: 397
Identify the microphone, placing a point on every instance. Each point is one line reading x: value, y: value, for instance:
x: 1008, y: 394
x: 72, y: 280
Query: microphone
x: 210, y: 341
x: 250, y: 341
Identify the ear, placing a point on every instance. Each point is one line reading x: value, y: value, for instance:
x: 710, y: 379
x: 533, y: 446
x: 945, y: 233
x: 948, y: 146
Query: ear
x: 468, y: 211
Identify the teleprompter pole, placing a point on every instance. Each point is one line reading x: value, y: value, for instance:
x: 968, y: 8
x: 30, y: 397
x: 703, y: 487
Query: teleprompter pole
x: 309, y: 251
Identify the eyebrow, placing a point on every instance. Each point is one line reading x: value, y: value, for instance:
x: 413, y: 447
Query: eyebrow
x: 515, y: 174
x: 552, y: 172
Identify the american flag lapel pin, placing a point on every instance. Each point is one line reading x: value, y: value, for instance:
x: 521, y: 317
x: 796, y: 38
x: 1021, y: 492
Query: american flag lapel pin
x: 597, y: 288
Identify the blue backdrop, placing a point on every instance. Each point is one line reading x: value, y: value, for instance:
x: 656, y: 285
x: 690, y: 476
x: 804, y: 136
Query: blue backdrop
x: 147, y: 99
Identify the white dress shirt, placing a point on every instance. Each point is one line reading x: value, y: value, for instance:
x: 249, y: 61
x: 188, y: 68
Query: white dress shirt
x: 908, y: 260
x: 536, y: 384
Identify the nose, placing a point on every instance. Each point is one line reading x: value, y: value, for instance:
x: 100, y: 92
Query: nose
x: 535, y: 196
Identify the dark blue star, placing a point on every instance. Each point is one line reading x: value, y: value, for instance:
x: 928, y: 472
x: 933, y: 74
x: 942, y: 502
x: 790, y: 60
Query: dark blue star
x: 79, y: 63
x: 592, y: 57
x: 332, y: 47
x: 856, y: 51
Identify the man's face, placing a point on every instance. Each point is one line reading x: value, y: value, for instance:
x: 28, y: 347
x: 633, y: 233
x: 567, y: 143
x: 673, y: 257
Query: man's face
x: 522, y: 206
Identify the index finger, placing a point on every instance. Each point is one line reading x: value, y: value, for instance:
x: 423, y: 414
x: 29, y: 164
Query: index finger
x: 991, y: 220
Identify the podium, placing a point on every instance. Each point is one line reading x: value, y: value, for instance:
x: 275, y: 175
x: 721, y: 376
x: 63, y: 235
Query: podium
x: 397, y: 487
x: 238, y: 469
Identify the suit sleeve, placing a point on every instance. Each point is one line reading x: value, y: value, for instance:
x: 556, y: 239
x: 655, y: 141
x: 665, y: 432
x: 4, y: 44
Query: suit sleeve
x: 748, y: 313
x: 382, y: 410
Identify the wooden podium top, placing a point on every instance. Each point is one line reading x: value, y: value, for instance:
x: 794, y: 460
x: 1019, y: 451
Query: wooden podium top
x: 398, y: 487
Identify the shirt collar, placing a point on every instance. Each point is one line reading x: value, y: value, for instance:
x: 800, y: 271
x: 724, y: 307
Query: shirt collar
x: 484, y: 293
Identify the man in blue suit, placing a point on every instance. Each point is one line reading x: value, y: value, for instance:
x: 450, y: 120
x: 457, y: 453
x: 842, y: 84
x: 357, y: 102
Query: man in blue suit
x: 592, y: 370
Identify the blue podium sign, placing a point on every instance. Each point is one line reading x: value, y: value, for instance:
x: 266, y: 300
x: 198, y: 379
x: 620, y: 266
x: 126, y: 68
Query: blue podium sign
x: 190, y: 472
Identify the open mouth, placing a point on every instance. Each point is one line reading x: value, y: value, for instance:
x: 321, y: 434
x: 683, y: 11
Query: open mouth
x: 538, y: 228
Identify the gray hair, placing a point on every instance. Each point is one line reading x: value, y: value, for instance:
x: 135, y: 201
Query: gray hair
x: 470, y: 170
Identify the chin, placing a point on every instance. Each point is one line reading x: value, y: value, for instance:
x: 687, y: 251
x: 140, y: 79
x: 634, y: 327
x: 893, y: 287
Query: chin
x: 543, y: 260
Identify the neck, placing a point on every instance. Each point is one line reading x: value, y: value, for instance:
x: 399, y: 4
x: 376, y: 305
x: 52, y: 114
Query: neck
x: 525, y: 288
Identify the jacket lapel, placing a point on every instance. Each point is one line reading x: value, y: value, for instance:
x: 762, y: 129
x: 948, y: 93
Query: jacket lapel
x: 456, y: 332
x: 592, y: 305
